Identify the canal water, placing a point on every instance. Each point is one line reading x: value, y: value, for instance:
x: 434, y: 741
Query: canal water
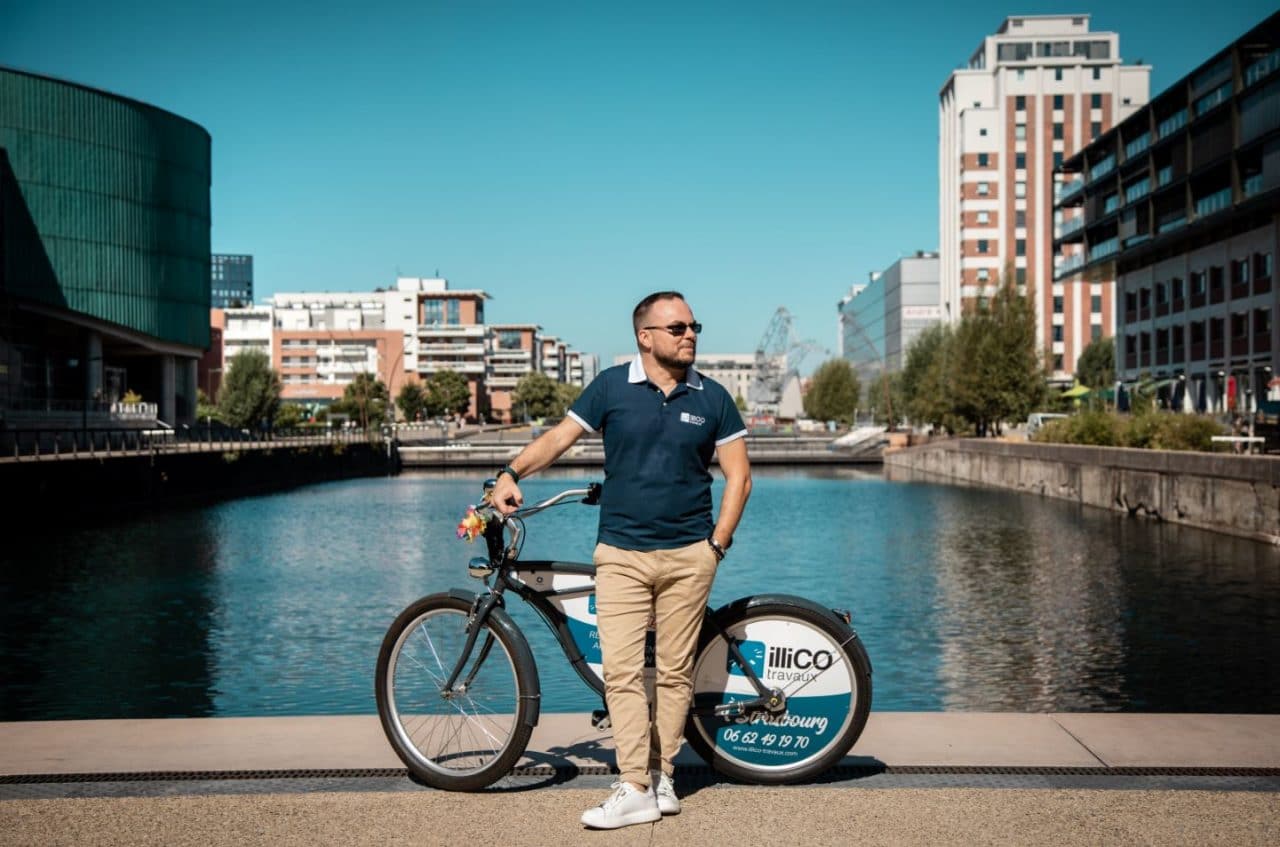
x: 966, y: 599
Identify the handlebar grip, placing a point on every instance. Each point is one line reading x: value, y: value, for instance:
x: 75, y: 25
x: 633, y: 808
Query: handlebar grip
x: 594, y: 489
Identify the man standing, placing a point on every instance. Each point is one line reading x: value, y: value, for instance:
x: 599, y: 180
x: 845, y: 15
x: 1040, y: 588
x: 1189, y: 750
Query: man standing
x: 658, y: 547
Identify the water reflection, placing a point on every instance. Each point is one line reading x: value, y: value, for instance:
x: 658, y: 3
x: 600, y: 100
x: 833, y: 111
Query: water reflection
x: 966, y: 598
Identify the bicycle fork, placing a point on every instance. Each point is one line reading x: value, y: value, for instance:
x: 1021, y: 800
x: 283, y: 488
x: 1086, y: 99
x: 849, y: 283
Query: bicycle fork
x: 480, y: 608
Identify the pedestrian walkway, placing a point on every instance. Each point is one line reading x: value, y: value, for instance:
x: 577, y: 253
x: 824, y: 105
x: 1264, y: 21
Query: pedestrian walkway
x: 913, y: 778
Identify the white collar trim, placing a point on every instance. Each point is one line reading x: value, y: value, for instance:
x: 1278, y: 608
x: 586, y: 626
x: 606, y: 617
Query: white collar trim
x: 636, y: 373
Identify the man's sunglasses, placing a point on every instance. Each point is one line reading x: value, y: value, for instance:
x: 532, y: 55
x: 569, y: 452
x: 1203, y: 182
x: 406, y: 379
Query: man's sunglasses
x: 679, y: 329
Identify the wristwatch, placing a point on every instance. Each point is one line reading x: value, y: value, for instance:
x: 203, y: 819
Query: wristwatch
x: 716, y: 548
x: 507, y: 469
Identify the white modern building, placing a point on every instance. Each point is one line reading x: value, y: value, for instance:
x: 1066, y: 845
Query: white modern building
x: 879, y: 319
x: 1034, y: 93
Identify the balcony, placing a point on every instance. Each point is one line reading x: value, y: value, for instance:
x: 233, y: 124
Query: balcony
x: 1214, y: 98
x: 1215, y: 202
x: 1261, y: 68
x: 1104, y: 248
x: 442, y: 331
x: 1252, y: 185
x: 1137, y: 145
x: 430, y: 367
x: 1103, y: 168
x: 1171, y: 224
x: 1172, y: 124
x: 1067, y: 190
x: 1141, y: 188
x: 1164, y: 176
x: 1071, y: 227
x: 1069, y: 264
x: 451, y: 349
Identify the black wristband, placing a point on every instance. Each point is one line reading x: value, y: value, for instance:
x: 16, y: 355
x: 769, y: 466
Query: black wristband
x: 507, y: 469
x: 716, y: 548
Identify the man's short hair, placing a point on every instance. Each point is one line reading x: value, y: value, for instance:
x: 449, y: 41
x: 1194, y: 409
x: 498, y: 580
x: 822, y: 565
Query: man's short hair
x: 642, y: 308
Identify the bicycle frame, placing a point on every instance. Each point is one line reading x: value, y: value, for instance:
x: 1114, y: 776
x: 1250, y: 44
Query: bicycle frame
x: 513, y: 575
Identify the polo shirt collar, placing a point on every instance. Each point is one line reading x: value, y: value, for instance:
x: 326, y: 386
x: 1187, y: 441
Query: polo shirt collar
x: 636, y: 373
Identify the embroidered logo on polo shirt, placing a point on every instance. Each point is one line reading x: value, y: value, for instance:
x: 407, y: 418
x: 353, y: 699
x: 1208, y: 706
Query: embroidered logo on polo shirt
x: 685, y: 417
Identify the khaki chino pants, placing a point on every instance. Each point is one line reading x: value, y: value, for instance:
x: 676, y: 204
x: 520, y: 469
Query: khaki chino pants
x: 673, y: 586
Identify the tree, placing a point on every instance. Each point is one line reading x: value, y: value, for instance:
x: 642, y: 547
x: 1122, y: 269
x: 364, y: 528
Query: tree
x: 537, y: 396
x: 365, y: 400
x: 412, y: 401
x: 204, y: 409
x: 925, y: 386
x: 250, y: 391
x: 566, y: 393
x: 448, y: 394
x: 289, y: 416
x: 884, y: 394
x: 833, y: 392
x: 740, y: 402
x: 1096, y: 366
x: 1016, y: 375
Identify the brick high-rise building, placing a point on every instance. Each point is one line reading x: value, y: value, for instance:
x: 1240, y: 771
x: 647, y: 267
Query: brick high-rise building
x: 1034, y: 93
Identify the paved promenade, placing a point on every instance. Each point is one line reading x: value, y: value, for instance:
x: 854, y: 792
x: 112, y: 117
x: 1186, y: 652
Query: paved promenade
x: 913, y: 778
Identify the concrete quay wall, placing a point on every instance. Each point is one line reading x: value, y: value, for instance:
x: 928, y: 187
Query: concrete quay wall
x: 1238, y: 495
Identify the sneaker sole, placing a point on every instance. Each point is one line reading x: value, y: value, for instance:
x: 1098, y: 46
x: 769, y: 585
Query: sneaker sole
x: 627, y: 820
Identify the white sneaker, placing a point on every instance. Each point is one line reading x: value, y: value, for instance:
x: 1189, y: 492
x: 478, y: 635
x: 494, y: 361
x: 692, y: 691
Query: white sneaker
x: 625, y: 806
x: 668, y: 802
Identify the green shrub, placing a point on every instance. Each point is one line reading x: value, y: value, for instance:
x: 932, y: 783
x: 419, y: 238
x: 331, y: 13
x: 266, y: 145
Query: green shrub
x: 1146, y: 430
x: 1099, y: 429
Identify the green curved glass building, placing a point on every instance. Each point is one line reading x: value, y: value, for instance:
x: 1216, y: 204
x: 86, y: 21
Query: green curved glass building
x: 104, y: 256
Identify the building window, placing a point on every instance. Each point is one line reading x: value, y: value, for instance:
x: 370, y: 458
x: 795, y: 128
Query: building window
x: 1262, y: 265
x: 1097, y: 73
x: 1020, y: 161
x: 1057, y: 361
x: 982, y: 160
x: 984, y: 217
x: 1095, y: 129
x: 432, y: 312
x: 984, y: 188
x: 1095, y: 332
x: 982, y: 131
x: 983, y: 274
x: 982, y: 245
x: 1057, y: 304
x: 1057, y: 132
x: 1057, y: 74
x: 1020, y: 218
x: 1197, y: 284
x: 1019, y: 102
x: 1020, y: 132
x: 1020, y: 189
x: 1240, y: 272
x: 1021, y: 74
x: 1175, y: 285
x: 1057, y: 332
x: 1020, y: 246
x: 1261, y: 321
x: 1095, y: 100
x: 1020, y: 276
x: 1057, y: 101
x: 1057, y: 158
x: 1095, y: 304
x: 1215, y: 280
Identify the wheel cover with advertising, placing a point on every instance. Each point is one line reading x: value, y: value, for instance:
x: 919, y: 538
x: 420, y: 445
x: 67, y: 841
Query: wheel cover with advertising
x: 786, y: 653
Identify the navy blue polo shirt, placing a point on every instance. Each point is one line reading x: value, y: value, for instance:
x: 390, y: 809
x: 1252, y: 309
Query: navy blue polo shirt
x: 657, y: 451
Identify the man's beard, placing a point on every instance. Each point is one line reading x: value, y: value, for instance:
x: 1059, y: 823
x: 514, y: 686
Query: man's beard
x: 675, y: 361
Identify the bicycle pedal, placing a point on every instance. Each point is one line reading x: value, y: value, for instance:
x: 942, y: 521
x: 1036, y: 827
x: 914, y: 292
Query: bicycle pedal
x: 600, y: 719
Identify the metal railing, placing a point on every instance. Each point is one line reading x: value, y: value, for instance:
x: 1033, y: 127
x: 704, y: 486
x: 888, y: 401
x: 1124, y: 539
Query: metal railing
x: 36, y: 444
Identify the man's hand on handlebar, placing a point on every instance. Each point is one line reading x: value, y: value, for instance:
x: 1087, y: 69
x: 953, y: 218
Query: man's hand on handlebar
x: 506, y: 496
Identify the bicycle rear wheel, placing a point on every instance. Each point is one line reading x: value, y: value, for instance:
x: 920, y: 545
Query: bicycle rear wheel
x: 807, y: 652
x: 467, y: 740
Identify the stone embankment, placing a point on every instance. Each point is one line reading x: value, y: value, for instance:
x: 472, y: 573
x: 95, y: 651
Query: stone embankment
x: 1239, y: 495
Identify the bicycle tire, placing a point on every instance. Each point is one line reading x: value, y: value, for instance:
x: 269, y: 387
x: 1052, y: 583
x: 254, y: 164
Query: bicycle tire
x: 467, y: 742
x: 785, y: 639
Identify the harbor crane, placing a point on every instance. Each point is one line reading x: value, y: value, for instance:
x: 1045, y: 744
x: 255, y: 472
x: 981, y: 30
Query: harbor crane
x: 778, y: 357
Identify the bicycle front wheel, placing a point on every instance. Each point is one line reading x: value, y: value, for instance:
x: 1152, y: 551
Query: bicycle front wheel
x: 466, y: 739
x: 818, y: 663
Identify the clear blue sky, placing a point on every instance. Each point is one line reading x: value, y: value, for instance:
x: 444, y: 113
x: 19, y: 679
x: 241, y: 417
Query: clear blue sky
x: 569, y: 158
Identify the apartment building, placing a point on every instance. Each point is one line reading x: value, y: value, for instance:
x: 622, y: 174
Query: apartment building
x: 1180, y: 203
x: 878, y: 320
x: 1032, y: 95
x: 514, y: 352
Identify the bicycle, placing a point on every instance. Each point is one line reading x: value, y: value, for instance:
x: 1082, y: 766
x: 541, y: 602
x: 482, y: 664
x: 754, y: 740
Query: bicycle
x: 781, y: 684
